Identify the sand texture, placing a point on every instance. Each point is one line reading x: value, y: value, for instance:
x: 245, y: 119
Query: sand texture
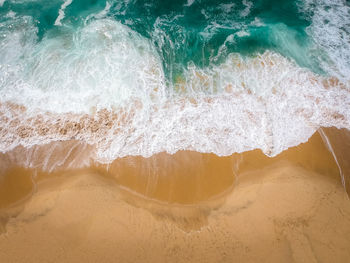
x: 292, y: 208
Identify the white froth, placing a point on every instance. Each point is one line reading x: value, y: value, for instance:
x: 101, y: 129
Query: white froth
x: 227, y: 8
x: 189, y: 2
x: 99, y: 15
x: 331, y: 31
x: 16, y: 42
x: 265, y: 102
x: 61, y: 13
x: 100, y: 66
x: 248, y: 5
x: 2, y: 2
x: 242, y: 33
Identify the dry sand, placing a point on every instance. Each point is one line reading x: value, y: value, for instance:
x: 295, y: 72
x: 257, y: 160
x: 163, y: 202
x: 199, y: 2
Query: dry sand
x: 187, y: 207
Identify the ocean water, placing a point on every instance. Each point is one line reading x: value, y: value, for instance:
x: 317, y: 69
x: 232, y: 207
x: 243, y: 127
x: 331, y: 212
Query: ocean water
x: 134, y: 77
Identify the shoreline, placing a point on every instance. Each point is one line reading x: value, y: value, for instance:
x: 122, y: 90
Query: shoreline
x: 291, y: 207
x: 180, y: 131
x: 154, y: 176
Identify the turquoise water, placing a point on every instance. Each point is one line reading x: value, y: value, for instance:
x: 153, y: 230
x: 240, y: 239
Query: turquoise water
x: 202, y: 32
x: 203, y: 75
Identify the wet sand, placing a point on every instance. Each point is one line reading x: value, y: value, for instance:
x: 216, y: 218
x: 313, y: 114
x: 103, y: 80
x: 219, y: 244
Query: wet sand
x: 187, y: 207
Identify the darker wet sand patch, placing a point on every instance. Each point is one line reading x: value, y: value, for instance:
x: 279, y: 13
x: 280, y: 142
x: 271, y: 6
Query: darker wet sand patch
x: 280, y: 213
x: 187, y: 207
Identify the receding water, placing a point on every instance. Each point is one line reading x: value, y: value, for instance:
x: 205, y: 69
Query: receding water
x: 203, y: 75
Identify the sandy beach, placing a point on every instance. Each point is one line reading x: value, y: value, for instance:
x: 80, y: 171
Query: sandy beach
x: 187, y: 207
x: 174, y: 131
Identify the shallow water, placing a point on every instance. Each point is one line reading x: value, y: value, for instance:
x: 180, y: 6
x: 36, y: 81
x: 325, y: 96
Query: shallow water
x: 182, y: 178
x: 186, y: 207
x: 174, y: 131
x: 143, y: 77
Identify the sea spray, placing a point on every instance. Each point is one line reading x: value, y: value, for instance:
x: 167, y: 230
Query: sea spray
x: 138, y: 78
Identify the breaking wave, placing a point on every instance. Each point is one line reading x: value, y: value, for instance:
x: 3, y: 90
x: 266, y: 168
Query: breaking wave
x: 104, y: 84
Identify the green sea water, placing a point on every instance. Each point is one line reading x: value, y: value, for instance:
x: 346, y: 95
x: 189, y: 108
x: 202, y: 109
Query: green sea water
x: 210, y: 76
x: 202, y: 32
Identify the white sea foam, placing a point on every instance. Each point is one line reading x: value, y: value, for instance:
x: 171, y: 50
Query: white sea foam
x: 61, y: 13
x: 2, y: 2
x: 189, y: 2
x: 99, y: 15
x: 248, y: 5
x: 242, y: 33
x: 17, y: 38
x: 330, y: 29
x: 227, y: 8
x: 102, y: 65
x: 265, y: 102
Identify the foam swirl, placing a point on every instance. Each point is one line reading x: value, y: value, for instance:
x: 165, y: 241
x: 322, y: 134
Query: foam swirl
x: 104, y: 85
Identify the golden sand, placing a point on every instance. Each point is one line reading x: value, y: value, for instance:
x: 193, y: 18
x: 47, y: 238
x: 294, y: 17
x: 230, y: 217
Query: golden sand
x: 187, y: 207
